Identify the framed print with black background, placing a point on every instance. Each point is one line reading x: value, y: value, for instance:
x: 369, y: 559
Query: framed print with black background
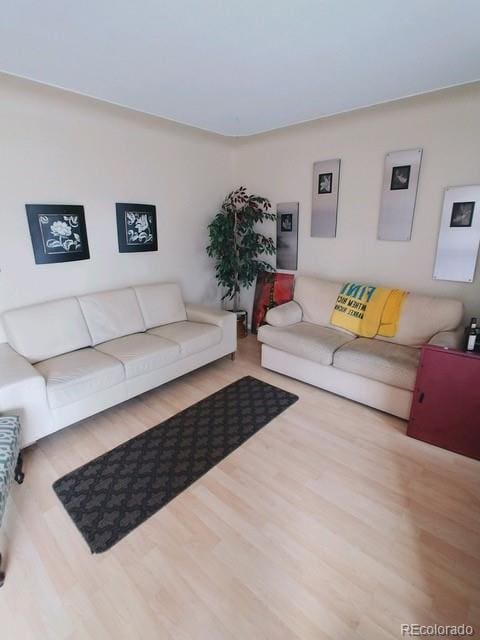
x: 287, y: 236
x: 325, y: 182
x: 136, y: 227
x: 58, y: 232
x: 400, y: 177
x: 462, y: 214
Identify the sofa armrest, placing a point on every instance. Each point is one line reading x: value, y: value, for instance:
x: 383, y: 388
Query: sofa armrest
x: 14, y: 368
x: 23, y: 393
x: 208, y: 315
x: 284, y: 314
x: 226, y: 320
x: 449, y: 339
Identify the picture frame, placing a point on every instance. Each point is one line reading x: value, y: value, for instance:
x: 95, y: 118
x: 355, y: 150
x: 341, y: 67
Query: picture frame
x: 462, y: 214
x: 287, y: 236
x: 58, y: 233
x: 136, y: 227
x: 325, y: 188
x: 459, y: 235
x: 325, y: 181
x: 400, y: 177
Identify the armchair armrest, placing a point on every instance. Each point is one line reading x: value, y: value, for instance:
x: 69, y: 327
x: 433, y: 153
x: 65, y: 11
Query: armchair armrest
x: 449, y: 339
x: 23, y: 393
x: 284, y: 314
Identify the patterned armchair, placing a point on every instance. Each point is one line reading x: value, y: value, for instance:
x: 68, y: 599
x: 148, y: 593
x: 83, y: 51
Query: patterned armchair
x: 10, y: 463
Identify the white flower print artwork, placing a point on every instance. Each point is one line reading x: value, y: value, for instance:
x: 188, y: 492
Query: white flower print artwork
x: 138, y: 226
x: 58, y: 232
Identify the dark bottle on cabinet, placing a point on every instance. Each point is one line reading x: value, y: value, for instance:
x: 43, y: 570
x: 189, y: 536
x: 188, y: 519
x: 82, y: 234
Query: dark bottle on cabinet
x: 472, y: 335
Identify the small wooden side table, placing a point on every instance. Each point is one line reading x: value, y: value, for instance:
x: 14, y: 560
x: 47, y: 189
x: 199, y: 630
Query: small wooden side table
x: 242, y: 323
x: 446, y: 401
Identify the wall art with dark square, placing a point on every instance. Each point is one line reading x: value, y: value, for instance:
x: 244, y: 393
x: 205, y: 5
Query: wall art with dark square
x: 459, y: 236
x: 462, y: 214
x: 136, y: 227
x: 400, y: 177
x: 399, y: 192
x: 58, y: 232
x: 287, y: 235
x: 326, y: 179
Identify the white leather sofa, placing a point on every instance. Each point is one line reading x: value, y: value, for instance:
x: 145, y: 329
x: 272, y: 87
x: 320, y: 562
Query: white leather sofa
x: 299, y: 341
x: 67, y: 359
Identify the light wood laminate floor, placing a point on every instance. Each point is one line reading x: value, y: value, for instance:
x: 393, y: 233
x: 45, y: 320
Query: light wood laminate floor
x: 330, y: 523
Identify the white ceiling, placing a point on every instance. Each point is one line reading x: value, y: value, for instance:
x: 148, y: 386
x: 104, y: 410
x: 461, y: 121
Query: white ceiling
x: 239, y: 67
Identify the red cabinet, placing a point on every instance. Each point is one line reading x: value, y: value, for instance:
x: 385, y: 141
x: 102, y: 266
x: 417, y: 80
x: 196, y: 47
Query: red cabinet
x: 446, y: 401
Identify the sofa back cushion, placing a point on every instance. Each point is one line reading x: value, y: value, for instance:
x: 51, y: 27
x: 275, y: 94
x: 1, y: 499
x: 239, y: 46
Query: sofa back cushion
x: 112, y: 314
x: 161, y: 304
x: 424, y: 316
x: 46, y: 330
x: 421, y: 317
x: 317, y: 298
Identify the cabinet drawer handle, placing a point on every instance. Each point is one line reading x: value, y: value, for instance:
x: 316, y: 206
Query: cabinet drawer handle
x: 421, y: 397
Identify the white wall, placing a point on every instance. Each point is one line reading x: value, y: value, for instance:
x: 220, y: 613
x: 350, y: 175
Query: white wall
x: 57, y: 147
x: 446, y: 124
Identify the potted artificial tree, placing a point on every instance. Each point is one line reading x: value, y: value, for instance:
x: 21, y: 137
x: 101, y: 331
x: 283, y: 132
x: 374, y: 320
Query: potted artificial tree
x: 235, y: 245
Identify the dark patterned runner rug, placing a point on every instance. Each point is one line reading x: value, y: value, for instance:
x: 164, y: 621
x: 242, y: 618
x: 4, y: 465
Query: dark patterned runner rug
x: 111, y: 495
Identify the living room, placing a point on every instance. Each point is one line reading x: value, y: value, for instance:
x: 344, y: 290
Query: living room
x: 272, y: 442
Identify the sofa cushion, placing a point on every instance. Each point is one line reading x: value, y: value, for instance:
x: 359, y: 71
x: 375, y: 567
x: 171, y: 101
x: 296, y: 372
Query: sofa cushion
x: 284, y: 315
x: 424, y: 316
x: 45, y: 330
x: 191, y: 337
x: 306, y: 340
x: 393, y: 364
x: 141, y: 353
x: 77, y: 375
x: 112, y: 314
x: 161, y: 304
x: 317, y: 298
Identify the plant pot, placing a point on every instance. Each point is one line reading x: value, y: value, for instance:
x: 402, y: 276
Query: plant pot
x: 242, y: 323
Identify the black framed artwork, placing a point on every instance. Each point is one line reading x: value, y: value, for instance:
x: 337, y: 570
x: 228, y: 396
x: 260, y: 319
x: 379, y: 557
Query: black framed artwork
x: 400, y: 177
x: 325, y: 182
x: 58, y: 232
x: 136, y: 227
x: 462, y: 214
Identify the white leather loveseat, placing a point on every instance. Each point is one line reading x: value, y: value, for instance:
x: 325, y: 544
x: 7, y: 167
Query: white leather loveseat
x: 68, y: 359
x: 300, y: 342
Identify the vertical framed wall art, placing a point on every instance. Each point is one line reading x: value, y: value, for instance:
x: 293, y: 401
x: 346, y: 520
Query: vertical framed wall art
x: 399, y: 193
x: 287, y: 236
x: 459, y: 236
x: 326, y: 175
x: 136, y: 227
x: 58, y: 232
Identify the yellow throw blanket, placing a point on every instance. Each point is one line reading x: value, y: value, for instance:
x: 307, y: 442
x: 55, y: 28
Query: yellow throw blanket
x: 368, y: 311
